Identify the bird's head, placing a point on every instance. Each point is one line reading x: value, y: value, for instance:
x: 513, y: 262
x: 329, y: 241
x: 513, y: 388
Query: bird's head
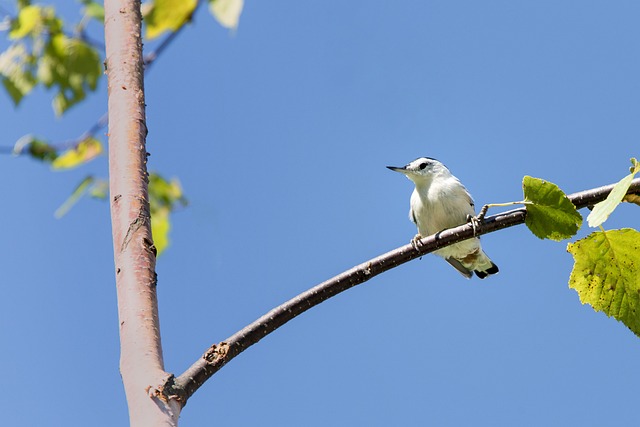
x: 421, y: 169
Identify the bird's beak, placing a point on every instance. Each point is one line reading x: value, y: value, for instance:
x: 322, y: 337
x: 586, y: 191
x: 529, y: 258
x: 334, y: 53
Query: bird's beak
x: 397, y: 169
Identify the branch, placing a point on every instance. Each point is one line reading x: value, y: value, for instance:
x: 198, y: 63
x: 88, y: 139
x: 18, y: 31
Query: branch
x: 151, y: 57
x: 220, y: 354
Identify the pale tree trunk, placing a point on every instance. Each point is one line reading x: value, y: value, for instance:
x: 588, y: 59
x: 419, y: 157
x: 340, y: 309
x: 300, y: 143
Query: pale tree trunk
x: 141, y: 363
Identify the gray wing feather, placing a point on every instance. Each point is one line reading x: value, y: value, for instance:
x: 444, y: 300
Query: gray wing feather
x: 461, y: 268
x: 412, y: 217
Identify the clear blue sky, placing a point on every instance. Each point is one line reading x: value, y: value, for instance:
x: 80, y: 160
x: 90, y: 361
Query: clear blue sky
x: 280, y: 134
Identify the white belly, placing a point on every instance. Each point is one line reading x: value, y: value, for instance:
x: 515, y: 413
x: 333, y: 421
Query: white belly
x: 432, y: 216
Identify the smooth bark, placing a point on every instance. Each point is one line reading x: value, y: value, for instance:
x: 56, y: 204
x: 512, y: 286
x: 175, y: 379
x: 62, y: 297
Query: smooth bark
x: 141, y: 363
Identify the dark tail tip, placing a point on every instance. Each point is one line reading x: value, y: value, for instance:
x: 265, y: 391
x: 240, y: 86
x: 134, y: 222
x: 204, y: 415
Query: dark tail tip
x: 489, y: 271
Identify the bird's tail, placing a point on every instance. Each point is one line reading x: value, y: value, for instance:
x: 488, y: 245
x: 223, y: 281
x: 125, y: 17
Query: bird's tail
x: 483, y: 266
x: 476, y: 262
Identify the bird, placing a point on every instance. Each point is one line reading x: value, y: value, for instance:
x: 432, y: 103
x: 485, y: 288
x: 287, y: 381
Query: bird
x: 440, y: 201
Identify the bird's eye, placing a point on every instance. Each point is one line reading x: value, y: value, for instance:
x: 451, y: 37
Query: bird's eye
x: 422, y: 165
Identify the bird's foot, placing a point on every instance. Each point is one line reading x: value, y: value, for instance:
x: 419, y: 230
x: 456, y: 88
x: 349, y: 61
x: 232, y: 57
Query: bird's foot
x: 476, y: 220
x: 416, y: 242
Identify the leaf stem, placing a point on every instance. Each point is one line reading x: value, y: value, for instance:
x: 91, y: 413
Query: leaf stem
x: 486, y: 207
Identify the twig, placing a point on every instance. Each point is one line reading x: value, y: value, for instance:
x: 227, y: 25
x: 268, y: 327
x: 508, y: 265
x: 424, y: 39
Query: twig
x: 218, y: 355
x: 151, y: 57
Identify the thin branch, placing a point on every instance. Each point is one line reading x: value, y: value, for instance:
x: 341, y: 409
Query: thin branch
x: 20, y: 147
x: 80, y: 33
x: 151, y: 57
x: 218, y: 355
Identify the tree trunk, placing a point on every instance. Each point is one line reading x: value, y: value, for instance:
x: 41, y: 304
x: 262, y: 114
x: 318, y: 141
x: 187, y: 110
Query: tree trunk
x: 141, y: 363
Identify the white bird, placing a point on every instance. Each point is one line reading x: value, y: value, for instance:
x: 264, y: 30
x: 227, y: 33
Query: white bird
x: 438, y: 202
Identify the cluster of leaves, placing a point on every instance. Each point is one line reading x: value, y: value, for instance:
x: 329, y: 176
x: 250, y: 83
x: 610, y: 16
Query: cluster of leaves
x: 165, y: 196
x: 169, y: 15
x: 42, y: 52
x: 606, y: 271
x: 65, y: 156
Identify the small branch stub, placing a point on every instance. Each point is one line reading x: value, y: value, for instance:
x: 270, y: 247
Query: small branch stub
x: 216, y: 353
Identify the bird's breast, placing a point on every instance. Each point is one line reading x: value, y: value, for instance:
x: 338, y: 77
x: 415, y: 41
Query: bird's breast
x: 435, y: 211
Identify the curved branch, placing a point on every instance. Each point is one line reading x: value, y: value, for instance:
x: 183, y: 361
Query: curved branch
x: 220, y: 354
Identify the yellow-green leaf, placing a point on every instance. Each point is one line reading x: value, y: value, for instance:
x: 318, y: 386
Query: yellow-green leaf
x: 85, y: 151
x: 550, y: 213
x: 74, y: 197
x: 167, y: 15
x: 99, y: 189
x: 29, y: 21
x: 164, y: 197
x: 227, y: 12
x: 17, y: 78
x: 160, y: 227
x: 606, y: 274
x: 602, y: 210
x: 163, y: 193
x: 72, y: 66
x: 93, y: 10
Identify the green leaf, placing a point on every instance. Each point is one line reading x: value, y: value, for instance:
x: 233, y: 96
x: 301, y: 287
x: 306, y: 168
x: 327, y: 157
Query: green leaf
x: 164, y: 197
x: 72, y: 66
x: 602, y: 210
x: 99, y: 189
x: 36, y: 148
x: 28, y: 22
x: 163, y: 193
x: 85, y: 151
x: 550, y: 213
x: 93, y: 10
x: 167, y: 15
x: 42, y: 151
x: 35, y: 22
x: 15, y: 69
x: 606, y: 274
x: 96, y: 188
x: 77, y: 193
x: 226, y: 12
x: 160, y: 226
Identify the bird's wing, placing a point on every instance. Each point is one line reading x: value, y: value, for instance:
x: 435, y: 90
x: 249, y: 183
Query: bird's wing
x: 461, y: 268
x: 473, y: 205
x: 412, y: 216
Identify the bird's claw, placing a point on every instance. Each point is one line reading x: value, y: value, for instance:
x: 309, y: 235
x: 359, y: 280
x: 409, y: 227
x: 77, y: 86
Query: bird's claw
x: 478, y: 219
x: 475, y: 222
x: 416, y: 242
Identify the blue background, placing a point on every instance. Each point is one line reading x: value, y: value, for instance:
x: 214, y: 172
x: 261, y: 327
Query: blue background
x: 280, y: 134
